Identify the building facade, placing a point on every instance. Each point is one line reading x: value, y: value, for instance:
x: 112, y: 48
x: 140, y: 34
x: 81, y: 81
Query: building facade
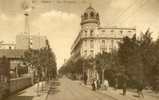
x: 24, y: 41
x: 93, y: 39
x: 38, y: 42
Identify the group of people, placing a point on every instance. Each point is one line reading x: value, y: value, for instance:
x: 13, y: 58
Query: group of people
x: 140, y: 87
x: 96, y: 84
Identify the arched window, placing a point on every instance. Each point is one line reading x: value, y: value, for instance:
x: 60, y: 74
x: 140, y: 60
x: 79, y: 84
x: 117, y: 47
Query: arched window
x: 92, y: 14
x: 91, y: 32
x: 97, y: 16
x: 85, y: 15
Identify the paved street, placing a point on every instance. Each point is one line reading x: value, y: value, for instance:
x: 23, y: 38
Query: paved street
x: 69, y: 90
x: 66, y: 89
x: 63, y: 89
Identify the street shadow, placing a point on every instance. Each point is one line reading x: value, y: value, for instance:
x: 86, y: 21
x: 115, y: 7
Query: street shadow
x: 136, y: 96
x: 55, y: 83
x: 54, y: 88
x: 121, y: 93
x: 17, y: 97
x: 21, y: 92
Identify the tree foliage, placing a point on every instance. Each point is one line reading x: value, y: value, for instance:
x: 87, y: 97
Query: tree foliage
x: 43, y: 61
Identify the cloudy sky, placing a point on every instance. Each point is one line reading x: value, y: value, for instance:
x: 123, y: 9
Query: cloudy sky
x: 59, y: 20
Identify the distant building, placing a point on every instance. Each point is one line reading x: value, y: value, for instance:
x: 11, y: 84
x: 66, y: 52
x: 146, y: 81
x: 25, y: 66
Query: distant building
x: 24, y: 41
x: 93, y: 39
x: 5, y: 45
x: 38, y: 42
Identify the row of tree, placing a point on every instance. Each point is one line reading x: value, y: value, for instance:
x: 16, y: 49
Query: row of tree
x: 43, y: 62
x: 137, y: 59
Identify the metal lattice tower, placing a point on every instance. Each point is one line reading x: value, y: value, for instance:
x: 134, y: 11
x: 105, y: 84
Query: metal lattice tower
x: 26, y: 9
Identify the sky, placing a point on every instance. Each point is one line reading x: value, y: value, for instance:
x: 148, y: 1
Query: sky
x: 59, y: 20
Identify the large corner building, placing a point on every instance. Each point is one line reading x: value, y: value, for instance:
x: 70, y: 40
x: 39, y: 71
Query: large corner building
x: 93, y: 38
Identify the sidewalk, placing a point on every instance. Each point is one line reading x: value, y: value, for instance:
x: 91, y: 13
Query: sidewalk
x: 31, y: 93
x: 117, y: 94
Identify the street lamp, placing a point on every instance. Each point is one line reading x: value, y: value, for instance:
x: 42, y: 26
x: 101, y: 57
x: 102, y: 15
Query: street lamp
x: 83, y: 70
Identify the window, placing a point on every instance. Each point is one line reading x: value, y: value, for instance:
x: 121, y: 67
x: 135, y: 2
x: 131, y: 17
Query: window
x: 91, y: 44
x: 85, y: 42
x: 91, y: 52
x: 103, y: 31
x: 91, y: 32
x: 112, y: 30
x: 121, y: 32
x: 85, y: 52
x: 97, y: 16
x: 129, y: 31
x: 85, y: 15
x: 103, y: 42
x: 92, y: 14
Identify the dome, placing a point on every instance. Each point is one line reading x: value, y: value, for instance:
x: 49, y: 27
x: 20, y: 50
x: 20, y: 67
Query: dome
x: 90, y: 9
x: 90, y: 16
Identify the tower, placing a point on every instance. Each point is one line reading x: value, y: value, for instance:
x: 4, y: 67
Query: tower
x: 90, y: 19
x: 26, y: 7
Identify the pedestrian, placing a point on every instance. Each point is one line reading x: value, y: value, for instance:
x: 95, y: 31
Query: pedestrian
x: 106, y: 84
x: 98, y: 84
x: 116, y: 83
x: 85, y: 79
x: 125, y: 78
x: 93, y: 85
x: 124, y: 87
x: 95, y: 82
x: 140, y: 88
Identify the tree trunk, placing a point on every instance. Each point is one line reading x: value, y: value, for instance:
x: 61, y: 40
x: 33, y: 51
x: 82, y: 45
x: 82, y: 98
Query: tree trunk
x: 103, y: 75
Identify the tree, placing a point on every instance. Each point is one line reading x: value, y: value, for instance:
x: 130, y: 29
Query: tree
x: 147, y: 54
x: 130, y: 58
x: 103, y: 62
x: 43, y: 61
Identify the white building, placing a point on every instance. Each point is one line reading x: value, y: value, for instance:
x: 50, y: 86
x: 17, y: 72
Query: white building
x: 24, y: 41
x: 38, y: 42
x: 93, y: 39
x: 7, y: 45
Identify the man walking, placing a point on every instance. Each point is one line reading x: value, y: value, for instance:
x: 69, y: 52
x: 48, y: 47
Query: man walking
x: 140, y: 88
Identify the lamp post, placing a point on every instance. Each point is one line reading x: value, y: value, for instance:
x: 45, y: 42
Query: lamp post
x: 83, y: 70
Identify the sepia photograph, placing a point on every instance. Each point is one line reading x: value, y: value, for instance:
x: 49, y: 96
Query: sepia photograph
x: 79, y: 49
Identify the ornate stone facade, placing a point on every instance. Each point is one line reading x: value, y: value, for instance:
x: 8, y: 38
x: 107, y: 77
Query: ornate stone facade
x: 93, y: 39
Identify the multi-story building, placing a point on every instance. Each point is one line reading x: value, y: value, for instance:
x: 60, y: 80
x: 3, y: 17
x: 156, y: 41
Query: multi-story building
x: 24, y: 41
x: 93, y: 39
x: 38, y: 42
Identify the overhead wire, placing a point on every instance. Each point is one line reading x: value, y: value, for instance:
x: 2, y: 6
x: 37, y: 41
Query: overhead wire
x: 143, y: 3
x: 124, y: 11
